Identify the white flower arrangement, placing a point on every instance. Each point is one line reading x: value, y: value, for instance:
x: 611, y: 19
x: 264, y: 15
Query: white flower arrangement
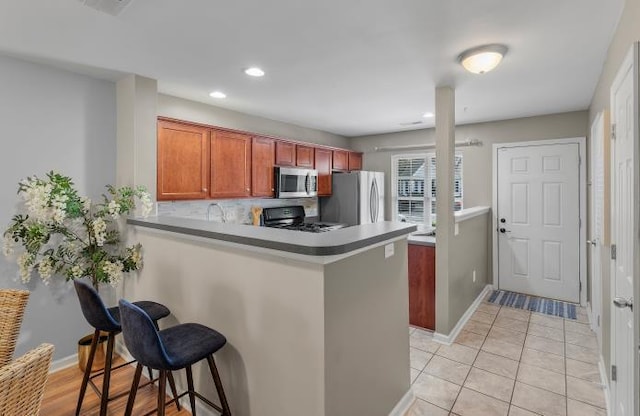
x: 65, y: 234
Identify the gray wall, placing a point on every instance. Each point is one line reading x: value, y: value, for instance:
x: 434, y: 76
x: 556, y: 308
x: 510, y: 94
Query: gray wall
x: 477, y: 170
x: 52, y: 120
x: 182, y: 109
x: 627, y: 32
x: 471, y: 252
x: 366, y: 314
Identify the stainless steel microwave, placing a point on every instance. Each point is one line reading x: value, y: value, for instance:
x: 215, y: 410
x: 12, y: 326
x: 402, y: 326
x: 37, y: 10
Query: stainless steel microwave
x: 296, y: 182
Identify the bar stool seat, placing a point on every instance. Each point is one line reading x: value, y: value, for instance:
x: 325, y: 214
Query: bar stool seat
x: 104, y: 319
x: 168, y: 350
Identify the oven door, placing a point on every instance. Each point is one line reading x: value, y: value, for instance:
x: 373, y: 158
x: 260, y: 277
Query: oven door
x: 296, y: 183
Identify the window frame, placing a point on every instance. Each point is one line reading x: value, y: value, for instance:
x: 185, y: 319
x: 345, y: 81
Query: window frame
x: 427, y: 199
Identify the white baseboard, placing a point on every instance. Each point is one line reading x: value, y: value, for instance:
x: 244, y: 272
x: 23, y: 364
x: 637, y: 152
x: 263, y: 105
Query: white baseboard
x: 448, y: 339
x: 404, y: 404
x: 62, y: 363
x: 604, y: 380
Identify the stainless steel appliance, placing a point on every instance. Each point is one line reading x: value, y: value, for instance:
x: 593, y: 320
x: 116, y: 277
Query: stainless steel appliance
x: 357, y: 198
x: 293, y: 218
x: 296, y: 182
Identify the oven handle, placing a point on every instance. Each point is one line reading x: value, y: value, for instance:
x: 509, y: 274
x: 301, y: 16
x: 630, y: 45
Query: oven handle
x: 306, y: 183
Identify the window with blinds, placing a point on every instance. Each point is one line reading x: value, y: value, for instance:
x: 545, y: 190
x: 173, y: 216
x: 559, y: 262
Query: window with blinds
x: 411, y: 174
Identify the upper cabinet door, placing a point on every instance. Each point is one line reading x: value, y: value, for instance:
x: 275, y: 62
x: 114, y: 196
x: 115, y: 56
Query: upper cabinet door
x: 262, y: 174
x: 183, y: 161
x: 304, y: 156
x: 323, y: 166
x: 340, y: 160
x: 285, y: 154
x: 355, y: 161
x: 230, y: 164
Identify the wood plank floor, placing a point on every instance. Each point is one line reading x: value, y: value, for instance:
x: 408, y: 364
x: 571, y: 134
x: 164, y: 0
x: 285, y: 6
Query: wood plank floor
x: 61, y: 394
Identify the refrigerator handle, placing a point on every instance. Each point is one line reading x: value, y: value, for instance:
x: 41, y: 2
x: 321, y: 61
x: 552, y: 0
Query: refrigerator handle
x: 377, y: 199
x: 372, y: 200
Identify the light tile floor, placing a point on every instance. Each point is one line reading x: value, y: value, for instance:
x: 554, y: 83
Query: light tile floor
x: 508, y: 362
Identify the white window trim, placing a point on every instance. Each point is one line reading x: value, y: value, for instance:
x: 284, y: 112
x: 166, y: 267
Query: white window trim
x: 427, y: 201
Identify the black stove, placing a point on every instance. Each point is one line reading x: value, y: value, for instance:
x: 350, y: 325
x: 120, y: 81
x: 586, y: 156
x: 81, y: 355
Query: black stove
x: 293, y: 218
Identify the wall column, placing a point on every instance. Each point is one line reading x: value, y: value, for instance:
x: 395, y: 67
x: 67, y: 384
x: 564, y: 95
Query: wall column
x: 445, y: 148
x: 137, y: 102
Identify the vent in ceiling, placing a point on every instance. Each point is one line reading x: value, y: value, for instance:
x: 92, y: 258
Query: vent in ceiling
x: 112, y: 7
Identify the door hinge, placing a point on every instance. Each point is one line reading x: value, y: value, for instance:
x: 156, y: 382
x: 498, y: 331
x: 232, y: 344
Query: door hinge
x: 579, y: 222
x: 614, y: 252
x: 614, y: 373
x: 579, y: 287
x: 613, y: 131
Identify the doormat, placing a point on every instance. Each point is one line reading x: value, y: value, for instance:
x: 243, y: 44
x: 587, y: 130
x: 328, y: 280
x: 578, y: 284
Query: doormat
x: 534, y: 304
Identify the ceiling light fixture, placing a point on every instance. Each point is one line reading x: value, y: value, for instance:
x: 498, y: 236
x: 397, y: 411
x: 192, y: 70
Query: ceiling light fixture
x: 254, y: 72
x: 218, y: 94
x: 482, y: 59
x: 428, y: 114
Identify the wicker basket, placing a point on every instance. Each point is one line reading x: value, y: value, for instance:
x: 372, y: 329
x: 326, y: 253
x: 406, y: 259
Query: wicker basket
x: 12, y: 305
x: 22, y: 382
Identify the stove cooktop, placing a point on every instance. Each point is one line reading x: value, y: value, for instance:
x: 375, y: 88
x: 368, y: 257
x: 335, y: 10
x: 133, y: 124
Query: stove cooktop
x: 311, y: 227
x: 293, y: 218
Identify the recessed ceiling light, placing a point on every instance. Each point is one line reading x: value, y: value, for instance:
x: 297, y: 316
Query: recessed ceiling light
x: 482, y: 59
x: 428, y: 114
x: 218, y: 94
x: 254, y: 71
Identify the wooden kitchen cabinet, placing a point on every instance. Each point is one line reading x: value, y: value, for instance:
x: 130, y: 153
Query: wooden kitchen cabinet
x: 263, y: 153
x: 422, y: 286
x: 230, y: 164
x: 304, y: 156
x: 340, y: 160
x: 355, y: 161
x: 182, y: 161
x: 285, y: 154
x: 323, y: 159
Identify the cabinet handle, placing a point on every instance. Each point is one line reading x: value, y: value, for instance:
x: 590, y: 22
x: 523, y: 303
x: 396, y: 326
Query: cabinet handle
x: 248, y: 189
x: 204, y: 189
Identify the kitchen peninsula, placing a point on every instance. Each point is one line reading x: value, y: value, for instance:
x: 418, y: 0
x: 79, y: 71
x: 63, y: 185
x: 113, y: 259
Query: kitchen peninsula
x: 316, y: 323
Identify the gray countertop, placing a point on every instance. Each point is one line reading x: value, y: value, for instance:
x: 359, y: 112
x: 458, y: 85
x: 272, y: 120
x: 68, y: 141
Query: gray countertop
x: 422, y: 240
x: 328, y: 243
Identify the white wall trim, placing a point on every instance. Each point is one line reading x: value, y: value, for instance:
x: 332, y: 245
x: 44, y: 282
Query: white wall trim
x: 604, y: 380
x: 448, y: 339
x: 582, y: 150
x: 468, y: 213
x: 62, y: 363
x: 404, y: 404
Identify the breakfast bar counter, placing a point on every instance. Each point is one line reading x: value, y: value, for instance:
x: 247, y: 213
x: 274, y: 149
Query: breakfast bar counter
x: 317, y: 324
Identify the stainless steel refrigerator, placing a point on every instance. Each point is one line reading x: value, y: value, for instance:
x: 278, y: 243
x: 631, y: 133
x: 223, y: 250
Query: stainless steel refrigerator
x: 357, y: 198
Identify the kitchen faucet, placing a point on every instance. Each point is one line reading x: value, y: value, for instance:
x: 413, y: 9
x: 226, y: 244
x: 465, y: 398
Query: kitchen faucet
x: 215, y: 204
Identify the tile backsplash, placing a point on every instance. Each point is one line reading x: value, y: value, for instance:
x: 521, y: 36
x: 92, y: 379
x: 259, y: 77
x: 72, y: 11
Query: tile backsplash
x: 236, y: 211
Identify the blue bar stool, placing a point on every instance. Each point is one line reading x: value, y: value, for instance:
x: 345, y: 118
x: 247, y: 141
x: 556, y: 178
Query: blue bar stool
x: 168, y: 350
x: 107, y: 320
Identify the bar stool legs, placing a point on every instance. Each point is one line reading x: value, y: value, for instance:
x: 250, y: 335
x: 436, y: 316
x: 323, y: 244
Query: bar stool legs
x: 216, y: 380
x: 104, y: 395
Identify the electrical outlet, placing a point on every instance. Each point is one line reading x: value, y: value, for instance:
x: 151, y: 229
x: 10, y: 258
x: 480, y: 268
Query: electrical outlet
x: 389, y: 250
x: 474, y: 276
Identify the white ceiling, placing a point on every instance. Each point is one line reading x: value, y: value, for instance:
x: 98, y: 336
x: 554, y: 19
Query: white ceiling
x: 351, y: 67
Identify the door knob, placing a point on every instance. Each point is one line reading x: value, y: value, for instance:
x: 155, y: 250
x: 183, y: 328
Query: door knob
x: 592, y: 242
x: 504, y: 230
x: 623, y: 303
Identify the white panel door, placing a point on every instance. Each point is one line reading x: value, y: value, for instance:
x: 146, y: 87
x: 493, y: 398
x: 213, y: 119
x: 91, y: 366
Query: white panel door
x: 538, y: 220
x: 622, y: 235
x: 596, y: 169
